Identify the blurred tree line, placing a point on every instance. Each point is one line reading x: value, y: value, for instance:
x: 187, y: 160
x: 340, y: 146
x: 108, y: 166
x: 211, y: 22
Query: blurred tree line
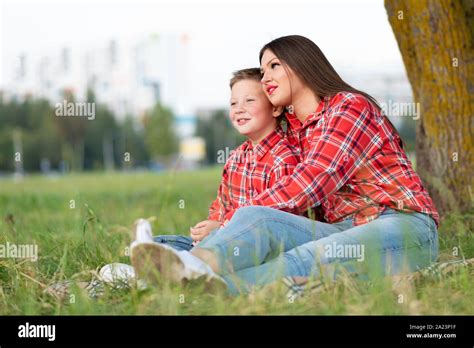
x: 217, y: 130
x: 79, y: 143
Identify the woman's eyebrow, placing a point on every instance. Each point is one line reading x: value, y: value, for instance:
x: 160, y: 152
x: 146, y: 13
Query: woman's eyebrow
x: 271, y: 60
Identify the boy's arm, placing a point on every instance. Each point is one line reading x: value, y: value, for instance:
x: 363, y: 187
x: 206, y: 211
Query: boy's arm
x: 214, y: 210
x: 221, y: 205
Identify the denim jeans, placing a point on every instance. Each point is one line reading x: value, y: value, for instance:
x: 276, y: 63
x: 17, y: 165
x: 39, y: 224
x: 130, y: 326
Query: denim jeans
x: 178, y: 242
x: 248, y: 247
x: 175, y: 241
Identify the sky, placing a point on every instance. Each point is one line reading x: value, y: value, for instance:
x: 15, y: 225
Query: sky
x: 224, y: 35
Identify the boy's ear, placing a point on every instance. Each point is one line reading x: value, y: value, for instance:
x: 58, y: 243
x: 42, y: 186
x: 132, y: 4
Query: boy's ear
x: 277, y: 110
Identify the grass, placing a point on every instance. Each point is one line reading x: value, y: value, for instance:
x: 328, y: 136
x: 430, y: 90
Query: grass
x: 81, y: 222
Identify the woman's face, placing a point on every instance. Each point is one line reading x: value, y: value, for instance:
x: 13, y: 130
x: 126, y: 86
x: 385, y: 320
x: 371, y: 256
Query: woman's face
x: 279, y: 82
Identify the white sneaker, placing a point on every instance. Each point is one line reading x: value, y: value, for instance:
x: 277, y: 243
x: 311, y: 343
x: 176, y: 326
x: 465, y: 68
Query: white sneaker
x: 119, y: 275
x: 117, y: 272
x: 152, y: 260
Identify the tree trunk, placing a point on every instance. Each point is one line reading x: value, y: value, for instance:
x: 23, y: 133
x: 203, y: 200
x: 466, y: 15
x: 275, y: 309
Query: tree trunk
x: 435, y: 38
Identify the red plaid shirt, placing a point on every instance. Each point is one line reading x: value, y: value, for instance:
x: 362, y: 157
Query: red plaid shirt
x: 353, y: 165
x: 250, y: 170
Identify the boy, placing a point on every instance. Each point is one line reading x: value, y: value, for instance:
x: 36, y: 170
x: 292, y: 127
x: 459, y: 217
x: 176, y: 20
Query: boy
x: 253, y: 167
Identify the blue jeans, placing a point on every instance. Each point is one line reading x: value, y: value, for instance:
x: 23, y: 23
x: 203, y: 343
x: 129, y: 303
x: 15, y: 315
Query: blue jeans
x: 178, y: 242
x: 248, y: 248
x: 175, y: 241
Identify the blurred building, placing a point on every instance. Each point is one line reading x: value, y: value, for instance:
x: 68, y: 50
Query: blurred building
x: 129, y: 76
x: 192, y: 151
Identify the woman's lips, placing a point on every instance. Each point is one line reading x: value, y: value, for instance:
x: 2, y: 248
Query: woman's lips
x: 271, y: 89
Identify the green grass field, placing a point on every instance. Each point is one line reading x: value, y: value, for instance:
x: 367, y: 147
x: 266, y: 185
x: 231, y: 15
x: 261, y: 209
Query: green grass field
x: 81, y: 222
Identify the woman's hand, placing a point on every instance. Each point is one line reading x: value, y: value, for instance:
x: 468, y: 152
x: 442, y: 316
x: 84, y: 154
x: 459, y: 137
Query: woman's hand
x: 203, y: 228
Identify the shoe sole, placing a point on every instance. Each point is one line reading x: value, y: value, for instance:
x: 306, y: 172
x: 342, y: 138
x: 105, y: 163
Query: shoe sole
x: 151, y: 261
x: 210, y: 285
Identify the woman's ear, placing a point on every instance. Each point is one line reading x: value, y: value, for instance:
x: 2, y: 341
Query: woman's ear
x: 277, y: 111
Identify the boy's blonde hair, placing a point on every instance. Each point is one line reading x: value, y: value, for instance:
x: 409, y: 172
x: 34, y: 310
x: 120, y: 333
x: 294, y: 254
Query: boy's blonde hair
x: 253, y: 74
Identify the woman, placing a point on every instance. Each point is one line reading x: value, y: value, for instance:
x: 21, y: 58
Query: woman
x: 354, y: 166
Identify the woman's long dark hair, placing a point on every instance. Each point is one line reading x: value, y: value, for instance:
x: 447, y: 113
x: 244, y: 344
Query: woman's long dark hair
x: 310, y: 64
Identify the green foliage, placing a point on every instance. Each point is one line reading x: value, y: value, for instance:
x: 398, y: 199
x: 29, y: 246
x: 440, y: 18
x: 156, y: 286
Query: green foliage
x: 160, y: 137
x: 75, y: 140
x: 131, y: 140
x: 219, y: 135
x: 407, y: 132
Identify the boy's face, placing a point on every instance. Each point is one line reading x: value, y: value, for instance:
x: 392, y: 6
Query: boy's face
x: 251, y: 112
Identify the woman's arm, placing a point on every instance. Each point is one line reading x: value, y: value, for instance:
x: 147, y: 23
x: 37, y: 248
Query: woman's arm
x: 349, y: 137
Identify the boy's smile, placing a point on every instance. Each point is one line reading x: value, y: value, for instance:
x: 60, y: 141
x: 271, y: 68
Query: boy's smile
x: 242, y: 120
x: 251, y: 112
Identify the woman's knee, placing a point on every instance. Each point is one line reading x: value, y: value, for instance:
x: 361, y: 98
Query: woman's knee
x: 252, y: 212
x: 304, y: 258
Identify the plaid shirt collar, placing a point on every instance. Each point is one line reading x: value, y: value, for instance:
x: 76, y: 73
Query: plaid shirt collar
x: 264, y: 145
x: 295, y: 123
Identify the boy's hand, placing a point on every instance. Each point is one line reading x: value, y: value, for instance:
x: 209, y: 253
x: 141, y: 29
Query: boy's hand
x: 203, y: 228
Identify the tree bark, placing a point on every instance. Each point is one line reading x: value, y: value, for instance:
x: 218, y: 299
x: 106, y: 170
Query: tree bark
x: 435, y: 38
